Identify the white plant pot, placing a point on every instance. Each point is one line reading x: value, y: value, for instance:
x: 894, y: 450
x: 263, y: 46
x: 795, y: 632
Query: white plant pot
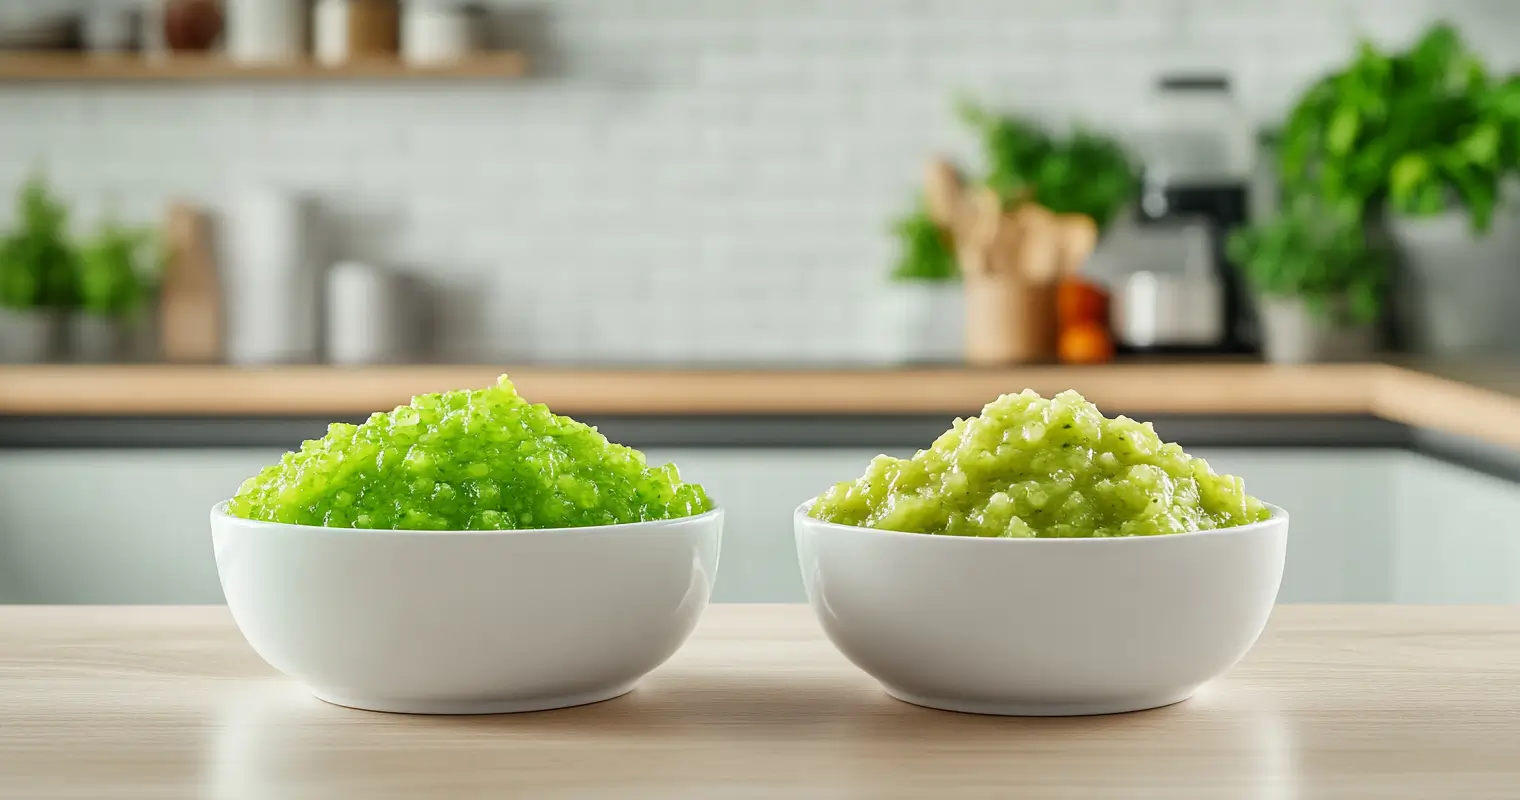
x: 28, y: 336
x: 1457, y: 291
x: 1291, y: 334
x: 921, y: 322
x: 94, y: 339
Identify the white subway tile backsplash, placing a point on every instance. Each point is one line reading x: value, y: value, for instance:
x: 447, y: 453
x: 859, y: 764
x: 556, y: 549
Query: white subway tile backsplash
x: 691, y: 179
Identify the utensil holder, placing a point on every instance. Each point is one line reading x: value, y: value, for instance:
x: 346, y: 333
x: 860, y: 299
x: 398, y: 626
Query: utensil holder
x: 1009, y: 320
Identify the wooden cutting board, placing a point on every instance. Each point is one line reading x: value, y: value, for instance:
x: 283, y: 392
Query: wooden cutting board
x: 190, y: 302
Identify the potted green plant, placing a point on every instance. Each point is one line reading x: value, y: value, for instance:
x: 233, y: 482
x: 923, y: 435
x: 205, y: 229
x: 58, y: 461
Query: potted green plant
x: 36, y: 277
x: 114, y: 269
x: 1423, y: 143
x: 1318, y: 281
x: 1084, y: 173
x: 923, y: 317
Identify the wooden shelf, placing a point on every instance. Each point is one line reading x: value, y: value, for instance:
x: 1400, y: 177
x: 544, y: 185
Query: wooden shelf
x: 35, y: 67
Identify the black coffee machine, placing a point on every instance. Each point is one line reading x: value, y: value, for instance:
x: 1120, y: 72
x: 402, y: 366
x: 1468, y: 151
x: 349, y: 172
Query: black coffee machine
x: 1199, y: 166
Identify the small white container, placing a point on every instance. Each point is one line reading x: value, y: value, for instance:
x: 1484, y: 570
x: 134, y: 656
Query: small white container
x: 330, y: 31
x: 111, y: 29
x: 365, y: 321
x: 436, y: 32
x: 1042, y: 627
x: 266, y: 31
x: 921, y: 322
x: 466, y: 622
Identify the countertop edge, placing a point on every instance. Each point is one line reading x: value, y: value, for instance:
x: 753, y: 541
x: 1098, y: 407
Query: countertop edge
x: 70, y: 390
x: 1401, y: 394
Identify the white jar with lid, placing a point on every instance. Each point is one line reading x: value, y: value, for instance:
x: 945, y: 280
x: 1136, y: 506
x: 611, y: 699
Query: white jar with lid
x: 266, y: 31
x: 437, y: 32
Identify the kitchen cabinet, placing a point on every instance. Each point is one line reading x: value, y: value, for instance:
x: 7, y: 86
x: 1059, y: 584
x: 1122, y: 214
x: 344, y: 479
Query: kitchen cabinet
x: 1373, y: 525
x: 114, y: 526
x: 1457, y: 535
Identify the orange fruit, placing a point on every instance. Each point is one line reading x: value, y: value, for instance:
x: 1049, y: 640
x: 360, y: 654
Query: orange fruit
x: 1079, y: 301
x: 1085, y: 343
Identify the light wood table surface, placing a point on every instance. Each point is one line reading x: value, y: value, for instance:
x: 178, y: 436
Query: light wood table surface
x: 1336, y: 701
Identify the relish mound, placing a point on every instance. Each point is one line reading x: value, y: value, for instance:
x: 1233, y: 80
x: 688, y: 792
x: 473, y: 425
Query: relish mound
x: 466, y: 460
x: 1031, y: 467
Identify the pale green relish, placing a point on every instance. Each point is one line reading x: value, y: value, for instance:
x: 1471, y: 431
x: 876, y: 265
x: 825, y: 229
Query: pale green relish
x: 1031, y: 467
x: 466, y: 460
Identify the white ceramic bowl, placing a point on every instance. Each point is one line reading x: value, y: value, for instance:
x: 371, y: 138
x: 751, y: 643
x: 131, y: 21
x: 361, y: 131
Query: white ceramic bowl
x: 477, y: 622
x: 1042, y: 627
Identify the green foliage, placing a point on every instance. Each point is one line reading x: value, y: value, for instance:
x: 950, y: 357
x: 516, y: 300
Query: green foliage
x: 1315, y: 253
x: 926, y: 252
x: 1416, y: 130
x: 36, y: 260
x: 114, y: 269
x: 1084, y: 173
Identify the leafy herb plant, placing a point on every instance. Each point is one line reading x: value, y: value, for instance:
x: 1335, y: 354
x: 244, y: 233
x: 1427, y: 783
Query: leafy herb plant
x: 1318, y: 254
x: 1084, y: 173
x: 36, y: 259
x: 1417, y: 131
x: 114, y: 269
x: 926, y: 251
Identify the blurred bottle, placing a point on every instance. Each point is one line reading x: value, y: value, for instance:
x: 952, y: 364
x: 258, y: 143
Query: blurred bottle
x: 346, y: 30
x: 271, y: 280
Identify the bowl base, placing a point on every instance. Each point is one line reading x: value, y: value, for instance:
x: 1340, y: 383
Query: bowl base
x: 1020, y: 709
x: 406, y: 705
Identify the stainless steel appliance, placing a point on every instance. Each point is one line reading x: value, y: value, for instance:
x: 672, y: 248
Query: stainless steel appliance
x: 1166, y: 293
x: 1200, y: 153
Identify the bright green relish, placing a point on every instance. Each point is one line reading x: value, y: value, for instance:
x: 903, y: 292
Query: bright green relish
x: 466, y: 460
x: 1031, y: 467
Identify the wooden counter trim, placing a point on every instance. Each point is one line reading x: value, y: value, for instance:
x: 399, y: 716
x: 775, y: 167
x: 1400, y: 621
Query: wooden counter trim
x: 1427, y: 401
x: 327, y: 391
x: 1394, y: 393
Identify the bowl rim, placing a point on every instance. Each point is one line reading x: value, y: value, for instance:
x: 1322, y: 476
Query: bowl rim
x: 219, y: 512
x: 1279, y: 517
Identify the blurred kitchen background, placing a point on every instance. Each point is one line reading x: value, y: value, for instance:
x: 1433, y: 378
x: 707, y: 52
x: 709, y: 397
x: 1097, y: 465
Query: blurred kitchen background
x: 767, y: 240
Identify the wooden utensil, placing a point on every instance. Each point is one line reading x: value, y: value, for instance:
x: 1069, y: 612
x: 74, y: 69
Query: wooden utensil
x: 1010, y: 301
x: 190, y: 305
x: 1038, y: 244
x: 979, y: 220
x: 944, y: 192
x: 1079, y: 237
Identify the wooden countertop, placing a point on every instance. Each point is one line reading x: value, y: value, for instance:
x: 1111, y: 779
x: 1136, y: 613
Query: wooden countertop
x: 1482, y: 401
x: 1335, y: 701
